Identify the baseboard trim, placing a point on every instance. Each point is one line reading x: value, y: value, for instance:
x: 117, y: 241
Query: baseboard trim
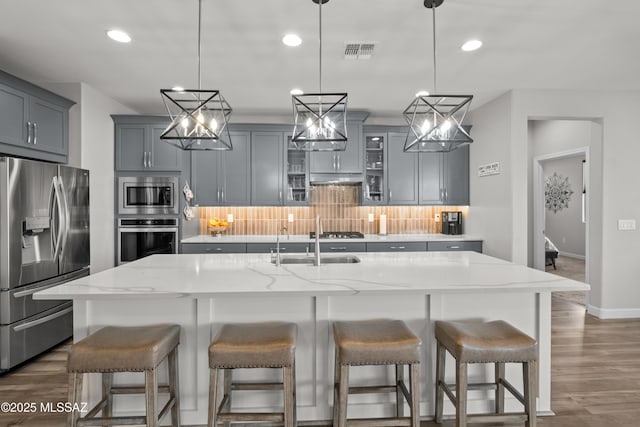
x: 614, y: 313
x: 570, y: 255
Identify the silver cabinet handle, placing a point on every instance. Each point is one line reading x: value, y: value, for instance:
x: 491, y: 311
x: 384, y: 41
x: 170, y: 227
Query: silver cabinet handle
x: 334, y: 162
x: 338, y: 248
x: 280, y: 195
x: 390, y: 195
x: 397, y: 247
x: 218, y: 197
x: 144, y: 159
x: 35, y: 133
x: 218, y: 249
x: 453, y: 247
x: 222, y: 194
x: 28, y: 132
x: 150, y: 159
x: 338, y: 156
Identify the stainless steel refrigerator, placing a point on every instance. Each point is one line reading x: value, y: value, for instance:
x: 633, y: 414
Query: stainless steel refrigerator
x: 44, y: 241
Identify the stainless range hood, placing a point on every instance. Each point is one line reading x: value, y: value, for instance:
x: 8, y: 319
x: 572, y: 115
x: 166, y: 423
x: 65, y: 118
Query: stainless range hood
x: 335, y: 178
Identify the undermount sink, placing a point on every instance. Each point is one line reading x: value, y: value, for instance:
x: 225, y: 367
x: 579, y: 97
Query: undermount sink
x: 342, y: 259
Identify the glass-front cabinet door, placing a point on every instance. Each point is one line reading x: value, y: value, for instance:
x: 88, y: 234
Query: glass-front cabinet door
x: 374, y: 186
x: 297, y: 181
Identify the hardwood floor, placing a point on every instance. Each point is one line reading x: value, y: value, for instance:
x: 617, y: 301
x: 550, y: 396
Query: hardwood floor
x: 595, y: 375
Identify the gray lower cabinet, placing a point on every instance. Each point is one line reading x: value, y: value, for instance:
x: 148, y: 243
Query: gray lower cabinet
x: 348, y: 161
x: 267, y: 176
x: 396, y: 246
x: 34, y: 123
x: 402, y: 183
x: 467, y: 245
x: 213, y: 248
x: 223, y: 178
x: 139, y: 147
x: 285, y: 247
x: 340, y: 246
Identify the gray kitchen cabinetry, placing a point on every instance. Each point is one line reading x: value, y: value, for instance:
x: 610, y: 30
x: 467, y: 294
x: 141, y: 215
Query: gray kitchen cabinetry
x: 285, y: 247
x: 139, y: 147
x: 266, y: 168
x: 348, y: 161
x: 374, y: 187
x: 467, y: 245
x: 402, y: 172
x: 213, y: 248
x: 34, y: 123
x: 444, y: 177
x: 297, y: 174
x: 223, y: 178
x: 340, y: 246
x: 396, y: 246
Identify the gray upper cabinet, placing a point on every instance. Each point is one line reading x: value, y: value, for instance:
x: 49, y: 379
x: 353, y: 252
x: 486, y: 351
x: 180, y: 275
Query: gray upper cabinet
x: 223, y: 177
x: 34, y: 123
x: 402, y: 183
x: 348, y: 161
x: 267, y: 157
x: 444, y: 177
x: 139, y: 147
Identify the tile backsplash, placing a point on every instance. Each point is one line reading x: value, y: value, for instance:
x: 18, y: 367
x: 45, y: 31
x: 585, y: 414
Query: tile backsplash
x: 339, y: 209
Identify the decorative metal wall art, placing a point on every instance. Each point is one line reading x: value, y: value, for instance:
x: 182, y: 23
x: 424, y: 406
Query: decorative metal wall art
x: 557, y: 192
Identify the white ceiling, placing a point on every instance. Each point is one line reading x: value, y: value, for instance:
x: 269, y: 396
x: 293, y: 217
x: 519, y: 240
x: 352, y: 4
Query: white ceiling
x: 551, y: 44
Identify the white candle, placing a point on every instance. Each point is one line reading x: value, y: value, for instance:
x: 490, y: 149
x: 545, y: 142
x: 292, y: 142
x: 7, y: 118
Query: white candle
x: 383, y: 224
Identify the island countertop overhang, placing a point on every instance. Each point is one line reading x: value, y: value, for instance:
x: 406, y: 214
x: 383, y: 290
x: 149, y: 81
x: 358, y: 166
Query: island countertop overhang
x: 205, y: 275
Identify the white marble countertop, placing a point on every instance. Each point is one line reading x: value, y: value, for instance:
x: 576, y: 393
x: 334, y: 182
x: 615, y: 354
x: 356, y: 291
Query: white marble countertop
x: 302, y: 238
x: 204, y: 275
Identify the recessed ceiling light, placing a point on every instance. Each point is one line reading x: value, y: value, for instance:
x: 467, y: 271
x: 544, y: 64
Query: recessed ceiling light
x: 471, y: 45
x: 292, y: 40
x: 422, y: 93
x: 119, y: 36
x: 178, y: 88
x: 296, y: 92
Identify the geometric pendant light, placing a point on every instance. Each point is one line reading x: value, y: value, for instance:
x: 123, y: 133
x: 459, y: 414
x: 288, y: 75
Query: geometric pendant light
x: 435, y: 121
x: 320, y: 119
x: 199, y: 118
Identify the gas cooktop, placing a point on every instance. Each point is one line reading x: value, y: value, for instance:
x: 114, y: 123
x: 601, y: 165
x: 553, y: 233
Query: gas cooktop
x: 337, y: 235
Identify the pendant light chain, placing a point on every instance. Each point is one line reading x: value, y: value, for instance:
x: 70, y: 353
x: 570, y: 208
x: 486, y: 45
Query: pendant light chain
x: 199, y: 42
x: 320, y: 45
x: 433, y: 9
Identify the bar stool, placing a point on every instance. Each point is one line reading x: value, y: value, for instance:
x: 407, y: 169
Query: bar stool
x: 253, y: 345
x: 126, y: 349
x: 376, y: 342
x: 486, y: 342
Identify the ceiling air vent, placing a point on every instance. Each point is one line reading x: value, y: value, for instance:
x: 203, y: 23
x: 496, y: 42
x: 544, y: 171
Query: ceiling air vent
x: 359, y: 50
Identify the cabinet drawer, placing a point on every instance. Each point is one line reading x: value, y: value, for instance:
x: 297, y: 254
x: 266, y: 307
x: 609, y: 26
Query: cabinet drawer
x: 214, y: 248
x: 455, y: 246
x: 285, y: 247
x: 340, y: 246
x: 396, y: 246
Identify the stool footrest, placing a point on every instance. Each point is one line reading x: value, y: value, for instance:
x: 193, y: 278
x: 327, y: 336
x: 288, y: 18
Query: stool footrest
x: 497, y: 418
x: 372, y: 389
x: 257, y: 386
x: 136, y: 389
x: 379, y: 422
x: 251, y: 416
x: 91, y: 420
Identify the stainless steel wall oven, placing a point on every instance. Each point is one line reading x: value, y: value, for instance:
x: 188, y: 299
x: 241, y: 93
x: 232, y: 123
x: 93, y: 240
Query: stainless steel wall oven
x: 148, y: 195
x: 141, y: 237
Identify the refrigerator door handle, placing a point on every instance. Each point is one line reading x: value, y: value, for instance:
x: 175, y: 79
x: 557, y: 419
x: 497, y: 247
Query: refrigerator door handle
x: 45, y: 319
x: 57, y: 229
x: 66, y: 217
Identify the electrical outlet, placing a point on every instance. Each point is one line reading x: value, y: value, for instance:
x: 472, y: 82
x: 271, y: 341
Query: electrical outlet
x: 229, y: 217
x: 437, y: 217
x: 290, y: 217
x: 370, y: 217
x: 626, y: 224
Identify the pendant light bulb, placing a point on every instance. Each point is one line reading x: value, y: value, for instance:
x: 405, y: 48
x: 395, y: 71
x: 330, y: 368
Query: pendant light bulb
x: 426, y: 125
x: 214, y: 124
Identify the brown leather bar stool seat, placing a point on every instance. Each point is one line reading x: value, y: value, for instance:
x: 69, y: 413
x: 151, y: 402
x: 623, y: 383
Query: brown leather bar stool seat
x: 495, y: 342
x: 252, y: 345
x: 377, y: 342
x: 126, y: 349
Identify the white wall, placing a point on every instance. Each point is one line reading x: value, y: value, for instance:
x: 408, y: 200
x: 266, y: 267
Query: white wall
x: 490, y: 208
x: 565, y: 227
x: 614, y: 268
x: 97, y: 136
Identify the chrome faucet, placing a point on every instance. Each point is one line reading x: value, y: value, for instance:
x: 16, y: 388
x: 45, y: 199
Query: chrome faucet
x: 317, y: 242
x: 278, y: 245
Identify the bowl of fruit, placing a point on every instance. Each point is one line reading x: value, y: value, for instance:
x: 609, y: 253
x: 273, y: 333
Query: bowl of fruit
x: 216, y: 226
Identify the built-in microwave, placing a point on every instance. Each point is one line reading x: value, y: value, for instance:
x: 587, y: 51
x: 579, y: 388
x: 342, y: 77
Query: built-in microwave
x: 148, y: 195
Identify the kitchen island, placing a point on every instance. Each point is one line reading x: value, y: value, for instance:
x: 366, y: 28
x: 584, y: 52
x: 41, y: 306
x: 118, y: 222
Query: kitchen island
x: 201, y: 292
